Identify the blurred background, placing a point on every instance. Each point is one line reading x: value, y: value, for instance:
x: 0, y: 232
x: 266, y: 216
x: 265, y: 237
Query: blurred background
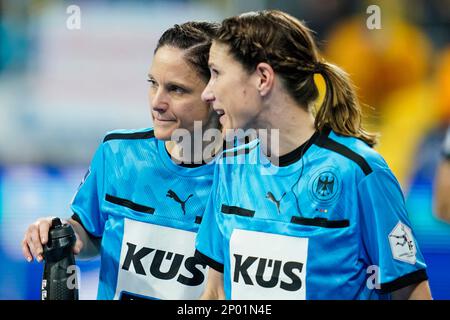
x: 62, y: 87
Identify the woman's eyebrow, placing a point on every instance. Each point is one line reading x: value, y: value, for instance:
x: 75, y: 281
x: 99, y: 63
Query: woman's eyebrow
x: 177, y: 84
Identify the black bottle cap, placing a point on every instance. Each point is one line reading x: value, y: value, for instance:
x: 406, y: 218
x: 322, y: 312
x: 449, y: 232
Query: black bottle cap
x: 59, y: 230
x: 56, y: 222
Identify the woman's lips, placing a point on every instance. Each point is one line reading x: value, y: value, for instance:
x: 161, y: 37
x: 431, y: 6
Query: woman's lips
x: 161, y: 119
x: 220, y: 112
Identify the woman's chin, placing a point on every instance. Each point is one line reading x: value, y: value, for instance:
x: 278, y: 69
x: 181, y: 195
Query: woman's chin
x: 164, y: 134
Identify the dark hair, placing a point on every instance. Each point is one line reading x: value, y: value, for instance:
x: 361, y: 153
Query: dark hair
x: 195, y: 38
x: 286, y: 44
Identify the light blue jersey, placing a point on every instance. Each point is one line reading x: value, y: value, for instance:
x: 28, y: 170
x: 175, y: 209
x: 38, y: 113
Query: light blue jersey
x: 328, y: 223
x: 147, y: 210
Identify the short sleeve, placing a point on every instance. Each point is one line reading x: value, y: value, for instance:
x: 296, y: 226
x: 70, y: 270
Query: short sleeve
x: 386, y: 232
x: 86, y: 204
x: 209, y: 241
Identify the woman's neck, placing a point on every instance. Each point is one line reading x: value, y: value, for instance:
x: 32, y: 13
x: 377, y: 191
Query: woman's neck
x: 288, y: 126
x: 189, y: 154
x: 191, y: 149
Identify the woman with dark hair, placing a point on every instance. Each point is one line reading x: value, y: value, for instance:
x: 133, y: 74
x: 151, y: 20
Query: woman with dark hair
x: 143, y: 197
x: 317, y: 214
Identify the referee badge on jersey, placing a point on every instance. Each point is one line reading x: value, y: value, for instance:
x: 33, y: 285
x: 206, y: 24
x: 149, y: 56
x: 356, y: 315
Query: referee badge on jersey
x: 324, y: 186
x: 402, y: 244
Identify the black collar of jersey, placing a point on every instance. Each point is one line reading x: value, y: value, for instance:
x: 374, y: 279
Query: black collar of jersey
x: 299, y: 152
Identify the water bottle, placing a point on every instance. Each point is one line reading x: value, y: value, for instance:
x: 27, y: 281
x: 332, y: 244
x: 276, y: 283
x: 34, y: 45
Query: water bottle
x: 59, y: 264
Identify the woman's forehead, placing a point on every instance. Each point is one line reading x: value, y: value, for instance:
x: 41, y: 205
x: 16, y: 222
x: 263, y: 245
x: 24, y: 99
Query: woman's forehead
x: 170, y: 64
x: 218, y: 50
x: 220, y: 54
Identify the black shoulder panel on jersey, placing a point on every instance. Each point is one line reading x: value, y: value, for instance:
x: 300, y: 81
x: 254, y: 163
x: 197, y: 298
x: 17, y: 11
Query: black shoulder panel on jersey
x: 325, y: 142
x: 129, y: 136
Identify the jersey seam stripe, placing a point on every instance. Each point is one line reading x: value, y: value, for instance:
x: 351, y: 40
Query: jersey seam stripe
x: 320, y: 222
x: 237, y: 211
x: 129, y: 204
x: 130, y: 136
x: 210, y: 262
x: 404, y: 281
x: 330, y: 144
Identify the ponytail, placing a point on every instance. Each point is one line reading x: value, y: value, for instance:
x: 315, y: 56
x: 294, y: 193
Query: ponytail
x: 340, y: 109
x: 288, y: 46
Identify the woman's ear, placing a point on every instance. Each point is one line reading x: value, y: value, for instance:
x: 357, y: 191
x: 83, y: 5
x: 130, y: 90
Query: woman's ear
x: 265, y: 77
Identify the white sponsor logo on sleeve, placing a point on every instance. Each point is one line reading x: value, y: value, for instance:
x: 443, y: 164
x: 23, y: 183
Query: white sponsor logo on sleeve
x: 402, y: 244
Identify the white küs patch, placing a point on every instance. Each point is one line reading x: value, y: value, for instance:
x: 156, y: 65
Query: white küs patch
x: 267, y: 266
x: 157, y: 262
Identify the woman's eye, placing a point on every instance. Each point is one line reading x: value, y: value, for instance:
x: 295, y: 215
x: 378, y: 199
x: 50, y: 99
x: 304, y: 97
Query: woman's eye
x: 151, y: 82
x: 214, y: 72
x: 177, y: 89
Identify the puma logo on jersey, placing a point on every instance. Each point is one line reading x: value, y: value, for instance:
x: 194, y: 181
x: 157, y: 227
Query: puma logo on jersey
x: 272, y: 198
x: 174, y: 196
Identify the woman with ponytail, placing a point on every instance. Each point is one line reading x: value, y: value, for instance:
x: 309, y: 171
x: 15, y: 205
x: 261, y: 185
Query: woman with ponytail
x: 316, y: 214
